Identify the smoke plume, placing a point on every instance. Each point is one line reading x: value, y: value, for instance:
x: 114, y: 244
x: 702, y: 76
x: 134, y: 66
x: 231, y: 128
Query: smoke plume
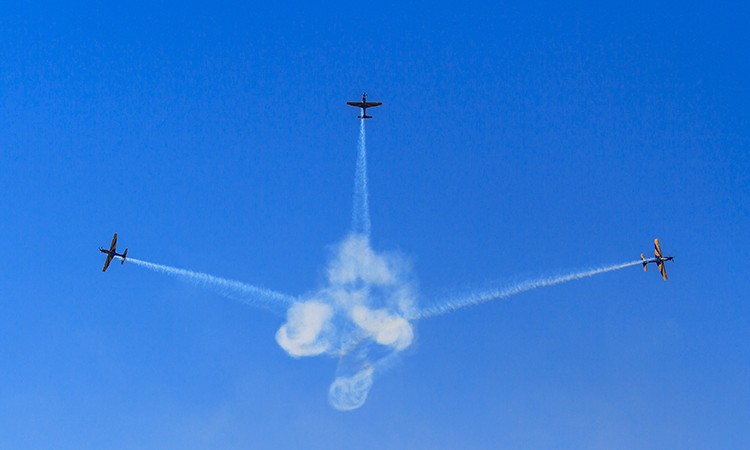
x: 359, y: 316
x: 363, y: 314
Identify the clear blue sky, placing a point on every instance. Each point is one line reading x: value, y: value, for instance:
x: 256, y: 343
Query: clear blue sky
x: 515, y: 140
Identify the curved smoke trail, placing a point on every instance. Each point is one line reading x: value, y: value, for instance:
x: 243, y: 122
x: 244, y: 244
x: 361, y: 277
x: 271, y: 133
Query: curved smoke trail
x: 497, y: 294
x: 361, y: 210
x: 235, y: 290
x: 358, y: 316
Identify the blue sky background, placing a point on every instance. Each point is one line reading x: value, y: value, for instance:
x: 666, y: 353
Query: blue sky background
x: 516, y: 140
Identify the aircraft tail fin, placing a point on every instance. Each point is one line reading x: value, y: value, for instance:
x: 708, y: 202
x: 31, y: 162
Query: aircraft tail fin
x: 124, y: 255
x: 645, y: 264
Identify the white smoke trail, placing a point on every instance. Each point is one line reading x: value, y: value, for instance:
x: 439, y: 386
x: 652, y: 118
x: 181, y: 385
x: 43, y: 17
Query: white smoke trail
x: 359, y: 316
x: 228, y: 288
x: 497, y: 294
x: 361, y: 210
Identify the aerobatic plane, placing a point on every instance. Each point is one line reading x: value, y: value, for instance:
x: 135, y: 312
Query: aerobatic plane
x: 658, y: 259
x: 364, y: 104
x: 112, y: 252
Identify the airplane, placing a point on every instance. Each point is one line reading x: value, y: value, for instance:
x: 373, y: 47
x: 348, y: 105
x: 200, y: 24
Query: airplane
x: 658, y: 259
x: 364, y: 104
x: 112, y: 252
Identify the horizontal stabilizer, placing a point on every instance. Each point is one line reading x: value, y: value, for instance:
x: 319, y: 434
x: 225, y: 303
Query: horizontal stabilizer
x: 124, y: 255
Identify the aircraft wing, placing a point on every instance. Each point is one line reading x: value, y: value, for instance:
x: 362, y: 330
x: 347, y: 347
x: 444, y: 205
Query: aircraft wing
x: 357, y: 104
x: 372, y: 104
x: 663, y: 270
x: 106, y: 263
x: 114, y: 243
x: 657, y: 248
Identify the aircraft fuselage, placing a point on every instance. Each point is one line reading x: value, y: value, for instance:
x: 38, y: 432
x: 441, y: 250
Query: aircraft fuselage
x: 110, y: 253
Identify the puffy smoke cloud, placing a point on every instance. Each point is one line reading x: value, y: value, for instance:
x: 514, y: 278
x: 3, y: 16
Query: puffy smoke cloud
x: 306, y: 329
x: 350, y: 392
x: 385, y: 328
x: 360, y: 316
x: 357, y: 262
